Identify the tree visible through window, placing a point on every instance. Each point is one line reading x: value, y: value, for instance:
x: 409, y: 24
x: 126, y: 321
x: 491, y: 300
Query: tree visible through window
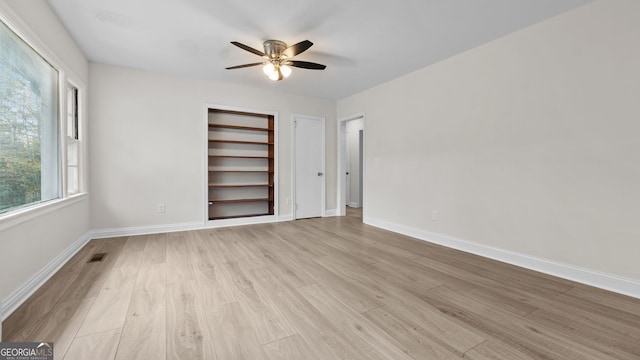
x: 29, y: 156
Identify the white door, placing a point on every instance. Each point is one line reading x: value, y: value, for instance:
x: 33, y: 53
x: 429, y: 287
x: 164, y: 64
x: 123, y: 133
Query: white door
x: 309, y: 167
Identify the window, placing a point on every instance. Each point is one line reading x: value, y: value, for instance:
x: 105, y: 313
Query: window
x: 72, y: 141
x: 29, y: 125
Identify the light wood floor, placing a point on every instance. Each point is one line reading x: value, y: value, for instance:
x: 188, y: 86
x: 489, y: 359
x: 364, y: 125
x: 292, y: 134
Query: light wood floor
x: 322, y: 289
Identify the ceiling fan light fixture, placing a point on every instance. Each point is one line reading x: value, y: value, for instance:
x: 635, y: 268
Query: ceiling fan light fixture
x: 269, y: 69
x: 285, y: 70
x: 277, y: 54
x: 274, y: 76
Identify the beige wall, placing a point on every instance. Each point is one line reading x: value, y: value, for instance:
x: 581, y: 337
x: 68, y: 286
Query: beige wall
x: 28, y: 246
x: 147, y: 144
x: 528, y: 144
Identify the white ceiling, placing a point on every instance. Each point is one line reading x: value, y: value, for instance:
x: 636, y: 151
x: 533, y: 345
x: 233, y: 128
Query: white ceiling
x: 362, y: 42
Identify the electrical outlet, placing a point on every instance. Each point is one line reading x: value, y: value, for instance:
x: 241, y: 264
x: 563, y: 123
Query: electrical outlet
x: 434, y: 215
x: 162, y: 208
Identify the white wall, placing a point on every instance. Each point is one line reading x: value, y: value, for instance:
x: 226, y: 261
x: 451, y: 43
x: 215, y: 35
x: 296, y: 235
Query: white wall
x: 528, y: 144
x: 147, y: 143
x: 353, y: 144
x: 28, y: 246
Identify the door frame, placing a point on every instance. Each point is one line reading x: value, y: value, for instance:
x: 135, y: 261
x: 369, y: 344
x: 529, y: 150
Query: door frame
x: 360, y: 165
x: 322, y: 120
x: 342, y: 161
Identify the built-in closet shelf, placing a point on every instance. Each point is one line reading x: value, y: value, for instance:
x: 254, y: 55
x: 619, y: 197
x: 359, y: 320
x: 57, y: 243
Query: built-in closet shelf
x: 234, y: 216
x: 237, y: 127
x: 241, y: 171
x: 238, y: 157
x: 239, y: 186
x: 241, y: 164
x: 235, y: 201
x: 241, y: 142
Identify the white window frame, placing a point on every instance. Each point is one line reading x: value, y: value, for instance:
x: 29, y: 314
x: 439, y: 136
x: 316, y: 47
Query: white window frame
x: 67, y: 141
x: 65, y: 77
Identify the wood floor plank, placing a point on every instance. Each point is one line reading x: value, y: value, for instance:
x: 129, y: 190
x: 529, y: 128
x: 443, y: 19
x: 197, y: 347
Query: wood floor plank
x: 93, y: 275
x: 289, y: 236
x: 324, y: 338
x: 606, y: 298
x: 526, y: 336
x: 109, y: 310
x: 585, y: 320
x: 495, y: 350
x: 267, y: 319
x: 188, y: 335
x: 214, y: 240
x: 296, y: 273
x: 211, y: 277
x: 612, y: 338
x: 22, y: 322
x: 155, y: 250
x: 179, y: 261
x: 62, y: 324
x: 412, y: 310
x: 611, y: 308
x: 363, y: 334
x: 129, y: 260
x: 99, y: 346
x: 146, y: 315
x: 358, y: 298
x: 135, y: 243
x: 88, y: 282
x: 418, y: 342
x: 358, y: 276
x: 239, y: 243
x: 290, y: 348
x: 232, y: 334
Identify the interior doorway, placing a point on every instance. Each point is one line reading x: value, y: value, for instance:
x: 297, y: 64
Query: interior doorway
x: 351, y: 164
x: 354, y: 178
x: 308, y: 167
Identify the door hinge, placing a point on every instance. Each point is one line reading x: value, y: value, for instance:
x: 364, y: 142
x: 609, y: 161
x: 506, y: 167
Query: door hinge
x: 295, y: 123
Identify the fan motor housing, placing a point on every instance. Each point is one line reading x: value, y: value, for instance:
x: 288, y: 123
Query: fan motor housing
x: 274, y: 48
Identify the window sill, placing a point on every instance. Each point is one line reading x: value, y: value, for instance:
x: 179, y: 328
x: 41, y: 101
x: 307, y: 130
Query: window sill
x: 17, y: 217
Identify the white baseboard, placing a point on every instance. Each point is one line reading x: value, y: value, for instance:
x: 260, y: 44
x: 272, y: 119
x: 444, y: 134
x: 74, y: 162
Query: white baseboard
x: 243, y: 221
x: 144, y: 230
x: 20, y: 295
x: 353, y: 204
x: 330, y: 212
x: 618, y: 284
x: 288, y: 217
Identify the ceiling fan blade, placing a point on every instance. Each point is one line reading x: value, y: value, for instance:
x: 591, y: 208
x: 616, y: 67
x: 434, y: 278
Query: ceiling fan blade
x: 245, y: 65
x: 296, y: 49
x: 249, y: 49
x: 305, y: 65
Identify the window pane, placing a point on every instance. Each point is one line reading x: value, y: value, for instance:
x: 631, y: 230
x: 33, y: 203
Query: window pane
x: 72, y: 180
x: 72, y: 166
x: 72, y: 153
x: 29, y: 155
x: 72, y: 113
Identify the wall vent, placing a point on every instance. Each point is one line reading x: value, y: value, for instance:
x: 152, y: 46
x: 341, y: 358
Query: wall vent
x: 97, y: 257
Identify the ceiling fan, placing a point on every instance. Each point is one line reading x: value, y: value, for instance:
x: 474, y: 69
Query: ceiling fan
x: 278, y: 56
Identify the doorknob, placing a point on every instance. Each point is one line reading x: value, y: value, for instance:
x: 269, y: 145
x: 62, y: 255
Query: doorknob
x: 320, y: 174
x: 347, y: 173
